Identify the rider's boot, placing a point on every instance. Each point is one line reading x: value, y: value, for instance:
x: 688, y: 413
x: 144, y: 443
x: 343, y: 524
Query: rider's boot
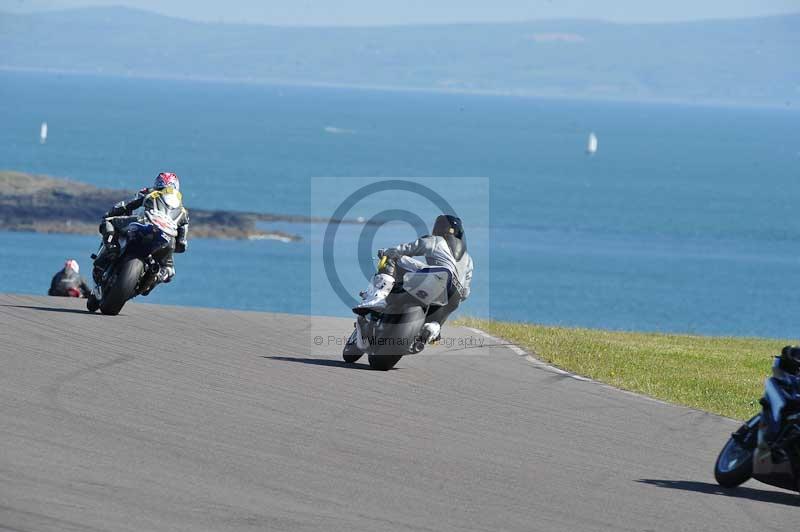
x: 431, y: 332
x: 376, y: 293
x: 165, y: 274
x: 166, y: 271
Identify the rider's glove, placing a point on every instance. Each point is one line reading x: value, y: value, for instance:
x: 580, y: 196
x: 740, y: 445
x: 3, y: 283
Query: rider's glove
x: 117, y: 210
x: 388, y: 252
x: 180, y: 246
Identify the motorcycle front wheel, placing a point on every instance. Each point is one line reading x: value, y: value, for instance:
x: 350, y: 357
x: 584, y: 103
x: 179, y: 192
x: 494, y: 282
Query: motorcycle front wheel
x: 92, y: 304
x: 734, y: 464
x: 351, y: 353
x: 123, y: 288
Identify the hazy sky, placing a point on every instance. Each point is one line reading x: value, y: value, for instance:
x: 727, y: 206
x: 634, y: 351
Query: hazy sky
x: 368, y: 12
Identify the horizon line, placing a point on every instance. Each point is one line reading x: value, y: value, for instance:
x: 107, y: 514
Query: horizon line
x: 224, y: 22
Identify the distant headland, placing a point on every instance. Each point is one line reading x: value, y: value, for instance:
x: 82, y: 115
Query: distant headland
x: 48, y: 205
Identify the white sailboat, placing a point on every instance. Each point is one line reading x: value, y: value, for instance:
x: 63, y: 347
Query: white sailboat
x: 43, y: 133
x: 591, y: 144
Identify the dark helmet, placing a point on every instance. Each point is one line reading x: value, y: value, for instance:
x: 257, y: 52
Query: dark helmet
x: 447, y: 224
x: 790, y: 359
x: 451, y: 229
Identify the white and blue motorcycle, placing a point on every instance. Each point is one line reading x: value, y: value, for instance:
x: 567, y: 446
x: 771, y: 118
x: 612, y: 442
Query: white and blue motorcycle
x: 767, y: 447
x: 396, y: 331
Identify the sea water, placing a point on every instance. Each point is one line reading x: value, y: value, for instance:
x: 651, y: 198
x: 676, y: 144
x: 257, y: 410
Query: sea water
x: 684, y: 220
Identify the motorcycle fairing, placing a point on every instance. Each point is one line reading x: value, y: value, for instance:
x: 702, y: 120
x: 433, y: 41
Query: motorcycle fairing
x: 147, y: 235
x: 776, y: 398
x: 428, y: 286
x: 771, y: 464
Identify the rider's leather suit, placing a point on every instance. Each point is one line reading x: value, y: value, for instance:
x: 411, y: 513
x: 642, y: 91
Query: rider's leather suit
x: 167, y: 201
x: 447, y: 252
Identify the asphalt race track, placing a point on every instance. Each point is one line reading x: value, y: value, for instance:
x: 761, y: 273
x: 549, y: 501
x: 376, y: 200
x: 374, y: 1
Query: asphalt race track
x: 168, y: 418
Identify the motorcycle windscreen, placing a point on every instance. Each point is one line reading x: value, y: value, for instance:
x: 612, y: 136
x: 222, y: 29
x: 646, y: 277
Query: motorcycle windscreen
x: 429, y: 287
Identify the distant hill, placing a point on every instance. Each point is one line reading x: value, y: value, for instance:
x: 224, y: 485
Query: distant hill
x: 748, y: 61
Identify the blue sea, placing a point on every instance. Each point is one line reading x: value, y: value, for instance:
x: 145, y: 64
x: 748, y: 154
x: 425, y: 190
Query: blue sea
x: 684, y: 220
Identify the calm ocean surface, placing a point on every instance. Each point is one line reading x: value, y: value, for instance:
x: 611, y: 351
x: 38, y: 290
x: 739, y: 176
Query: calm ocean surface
x: 685, y: 220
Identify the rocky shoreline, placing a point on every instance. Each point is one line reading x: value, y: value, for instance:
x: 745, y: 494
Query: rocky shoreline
x: 48, y: 205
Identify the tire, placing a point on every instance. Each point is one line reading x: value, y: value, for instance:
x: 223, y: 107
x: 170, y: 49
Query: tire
x: 351, y: 353
x: 351, y: 358
x: 92, y: 304
x: 734, y: 464
x: 383, y: 362
x: 400, y: 324
x: 124, y: 287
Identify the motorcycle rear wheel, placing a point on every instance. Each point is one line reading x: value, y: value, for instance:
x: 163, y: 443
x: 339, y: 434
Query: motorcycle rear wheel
x: 123, y: 288
x: 383, y: 362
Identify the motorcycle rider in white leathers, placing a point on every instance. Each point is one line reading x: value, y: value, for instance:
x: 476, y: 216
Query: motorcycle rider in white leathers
x: 446, y: 247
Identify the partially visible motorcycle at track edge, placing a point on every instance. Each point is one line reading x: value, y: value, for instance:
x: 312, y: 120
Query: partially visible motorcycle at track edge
x: 767, y: 446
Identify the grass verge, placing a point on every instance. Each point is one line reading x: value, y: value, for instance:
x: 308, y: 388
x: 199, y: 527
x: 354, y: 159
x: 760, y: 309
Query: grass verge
x: 723, y: 375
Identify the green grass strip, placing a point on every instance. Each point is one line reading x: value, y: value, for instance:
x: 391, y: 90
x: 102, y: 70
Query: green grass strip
x: 723, y: 375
